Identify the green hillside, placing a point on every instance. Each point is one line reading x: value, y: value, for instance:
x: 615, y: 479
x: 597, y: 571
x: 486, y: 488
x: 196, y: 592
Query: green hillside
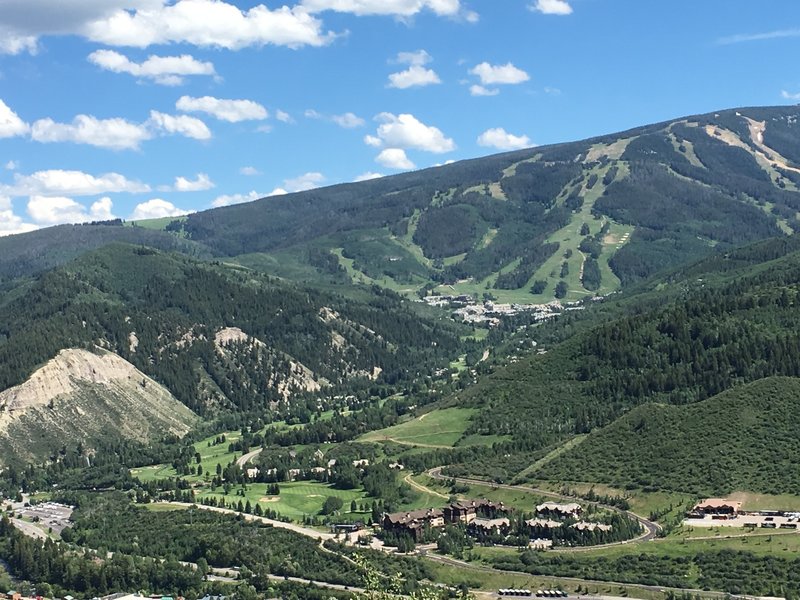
x: 568, y: 221
x: 742, y: 439
x: 726, y: 321
x: 219, y: 337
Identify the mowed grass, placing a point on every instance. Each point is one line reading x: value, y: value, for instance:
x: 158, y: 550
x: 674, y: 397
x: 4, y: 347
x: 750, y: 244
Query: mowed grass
x: 296, y: 499
x: 520, y: 500
x: 437, y: 429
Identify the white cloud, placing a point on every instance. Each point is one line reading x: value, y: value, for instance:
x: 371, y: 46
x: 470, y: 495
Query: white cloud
x: 479, y: 90
x: 283, y: 116
x: 10, y: 223
x: 278, y: 191
x: 201, y: 183
x: 101, y: 209
x: 789, y: 95
x: 348, y: 120
x: 227, y: 200
x: 413, y: 76
x: 405, y: 131
x: 249, y: 171
x: 499, y: 74
x: 552, y: 91
x: 180, y: 124
x: 10, y: 123
x: 552, y: 7
x: 13, y: 44
x: 166, y: 70
x: 499, y: 138
x: 471, y: 16
x: 115, y: 134
x: 402, y: 8
x: 369, y: 175
x: 57, y: 182
x: 394, y: 158
x: 156, y: 209
x: 307, y: 181
x: 419, y: 58
x: 209, y: 23
x: 55, y: 210
x: 232, y: 111
x: 11, y: 165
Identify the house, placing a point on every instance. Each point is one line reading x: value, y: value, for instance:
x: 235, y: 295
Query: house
x: 361, y: 462
x: 252, y: 473
x: 319, y: 455
x: 466, y: 511
x: 716, y: 506
x: 540, y: 544
x: 559, y: 510
x: 489, y: 526
x: 413, y: 522
x: 543, y: 523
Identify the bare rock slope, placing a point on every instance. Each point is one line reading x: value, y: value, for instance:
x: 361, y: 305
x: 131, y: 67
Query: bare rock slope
x: 81, y: 396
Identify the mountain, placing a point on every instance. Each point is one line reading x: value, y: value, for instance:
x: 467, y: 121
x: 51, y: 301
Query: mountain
x: 587, y: 217
x: 701, y: 330
x: 81, y: 396
x: 222, y: 338
x: 742, y: 439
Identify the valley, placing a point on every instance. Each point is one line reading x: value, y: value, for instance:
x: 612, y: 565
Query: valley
x: 521, y: 371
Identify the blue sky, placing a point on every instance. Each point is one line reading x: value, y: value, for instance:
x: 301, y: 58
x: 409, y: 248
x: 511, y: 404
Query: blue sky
x: 147, y: 108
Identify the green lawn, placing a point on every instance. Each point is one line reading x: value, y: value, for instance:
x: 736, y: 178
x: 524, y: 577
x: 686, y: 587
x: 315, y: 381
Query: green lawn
x: 296, y: 499
x: 436, y: 429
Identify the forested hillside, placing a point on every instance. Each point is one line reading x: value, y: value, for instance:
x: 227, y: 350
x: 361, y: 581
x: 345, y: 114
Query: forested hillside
x: 568, y: 221
x: 742, y: 439
x: 728, y: 323
x: 220, y: 338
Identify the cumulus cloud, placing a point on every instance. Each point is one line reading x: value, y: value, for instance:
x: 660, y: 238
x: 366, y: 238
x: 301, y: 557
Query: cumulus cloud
x: 249, y: 171
x: 11, y: 165
x: 56, y: 182
x: 115, y: 134
x: 55, y: 210
x: 401, y: 8
x: 165, y: 70
x: 181, y: 124
x: 479, y: 90
x: 416, y: 75
x: 552, y: 7
x: 307, y: 181
x: 348, y: 120
x: 228, y: 199
x: 13, y: 44
x: 10, y: 223
x: 368, y: 176
x: 209, y: 23
x: 405, y: 131
x: 789, y: 95
x: 200, y: 183
x: 156, y: 209
x: 283, y: 116
x: 10, y: 123
x: 232, y: 111
x: 413, y: 76
x: 499, y: 74
x: 394, y: 158
x: 499, y: 138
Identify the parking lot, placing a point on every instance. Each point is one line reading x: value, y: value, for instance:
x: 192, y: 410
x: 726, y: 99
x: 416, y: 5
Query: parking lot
x: 787, y: 522
x: 46, y: 515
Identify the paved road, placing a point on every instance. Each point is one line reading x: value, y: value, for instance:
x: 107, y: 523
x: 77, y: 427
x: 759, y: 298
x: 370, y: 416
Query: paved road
x: 246, y: 458
x: 651, y: 529
x: 306, y: 531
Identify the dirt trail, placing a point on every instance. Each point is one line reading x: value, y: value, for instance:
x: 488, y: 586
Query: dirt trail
x: 421, y: 488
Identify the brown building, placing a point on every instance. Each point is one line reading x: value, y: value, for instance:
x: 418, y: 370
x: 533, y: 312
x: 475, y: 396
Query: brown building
x: 716, y: 506
x: 414, y: 522
x: 466, y: 511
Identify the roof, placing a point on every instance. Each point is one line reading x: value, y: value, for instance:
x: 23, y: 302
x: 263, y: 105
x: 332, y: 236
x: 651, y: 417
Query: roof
x: 543, y: 523
x: 585, y: 526
x: 409, y: 517
x: 718, y: 503
x: 572, y: 507
x: 482, y: 503
x: 491, y: 523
